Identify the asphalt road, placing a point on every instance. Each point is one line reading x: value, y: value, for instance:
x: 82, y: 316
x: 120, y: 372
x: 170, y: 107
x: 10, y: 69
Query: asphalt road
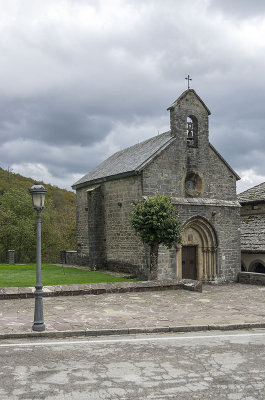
x: 202, y: 365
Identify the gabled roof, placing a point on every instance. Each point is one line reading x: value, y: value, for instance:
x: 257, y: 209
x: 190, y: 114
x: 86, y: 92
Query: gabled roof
x: 129, y: 161
x: 185, y: 94
x: 132, y: 160
x: 253, y: 195
x: 253, y: 233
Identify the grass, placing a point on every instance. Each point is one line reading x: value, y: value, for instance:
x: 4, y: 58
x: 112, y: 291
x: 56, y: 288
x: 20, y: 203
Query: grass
x: 25, y: 275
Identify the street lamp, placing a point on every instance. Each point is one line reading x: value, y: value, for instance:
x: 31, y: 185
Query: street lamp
x: 38, y: 197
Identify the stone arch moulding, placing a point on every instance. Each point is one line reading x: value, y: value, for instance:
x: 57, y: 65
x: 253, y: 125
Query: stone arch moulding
x: 252, y: 266
x: 199, y: 233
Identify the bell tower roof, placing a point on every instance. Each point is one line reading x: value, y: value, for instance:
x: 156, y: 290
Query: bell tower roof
x: 183, y: 95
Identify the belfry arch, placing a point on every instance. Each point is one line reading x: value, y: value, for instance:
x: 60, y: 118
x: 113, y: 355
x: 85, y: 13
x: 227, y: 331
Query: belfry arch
x: 192, y: 131
x: 196, y: 257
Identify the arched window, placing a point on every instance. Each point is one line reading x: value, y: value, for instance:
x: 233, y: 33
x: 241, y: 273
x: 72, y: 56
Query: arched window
x: 192, y: 131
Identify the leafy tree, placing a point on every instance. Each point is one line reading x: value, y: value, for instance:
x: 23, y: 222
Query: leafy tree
x: 17, y: 228
x: 18, y: 220
x: 156, y: 221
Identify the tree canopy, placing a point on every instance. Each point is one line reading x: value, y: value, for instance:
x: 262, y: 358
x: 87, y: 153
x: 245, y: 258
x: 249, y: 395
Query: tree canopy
x: 18, y: 220
x: 156, y: 221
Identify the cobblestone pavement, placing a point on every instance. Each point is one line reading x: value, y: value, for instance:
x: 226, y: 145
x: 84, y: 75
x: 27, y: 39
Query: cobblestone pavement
x: 224, y: 304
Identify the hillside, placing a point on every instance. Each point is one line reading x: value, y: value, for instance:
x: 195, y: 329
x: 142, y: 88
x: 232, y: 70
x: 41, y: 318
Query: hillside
x: 17, y: 219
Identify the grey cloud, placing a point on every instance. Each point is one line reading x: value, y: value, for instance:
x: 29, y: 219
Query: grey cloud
x: 51, y: 122
x: 58, y: 160
x: 242, y: 8
x: 79, y: 85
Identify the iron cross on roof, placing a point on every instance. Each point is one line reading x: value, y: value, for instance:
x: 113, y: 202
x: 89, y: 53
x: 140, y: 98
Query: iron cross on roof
x: 188, y: 79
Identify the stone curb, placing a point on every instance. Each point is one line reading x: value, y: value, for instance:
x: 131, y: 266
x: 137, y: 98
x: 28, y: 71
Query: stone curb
x: 101, y: 288
x: 130, y: 331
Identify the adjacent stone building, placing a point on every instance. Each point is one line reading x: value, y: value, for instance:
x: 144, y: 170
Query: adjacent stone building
x: 182, y: 164
x: 253, y: 229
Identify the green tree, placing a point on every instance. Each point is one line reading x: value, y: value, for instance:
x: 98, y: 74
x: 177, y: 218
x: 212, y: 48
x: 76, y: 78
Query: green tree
x: 17, y: 228
x: 156, y: 221
x: 18, y: 219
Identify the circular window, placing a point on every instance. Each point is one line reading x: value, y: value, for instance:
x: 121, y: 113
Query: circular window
x: 193, y: 184
x: 189, y: 185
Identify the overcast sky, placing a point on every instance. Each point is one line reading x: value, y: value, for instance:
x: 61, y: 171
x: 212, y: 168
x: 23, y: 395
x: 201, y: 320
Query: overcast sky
x: 81, y: 79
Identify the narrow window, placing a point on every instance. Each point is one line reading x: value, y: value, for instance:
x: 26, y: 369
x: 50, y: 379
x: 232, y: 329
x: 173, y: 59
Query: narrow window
x: 192, y: 131
x: 190, y: 136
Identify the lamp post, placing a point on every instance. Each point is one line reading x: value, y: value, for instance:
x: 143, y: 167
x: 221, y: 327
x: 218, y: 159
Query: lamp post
x: 38, y: 196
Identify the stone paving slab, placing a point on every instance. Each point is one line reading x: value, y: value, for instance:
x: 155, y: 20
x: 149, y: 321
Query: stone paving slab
x: 234, y: 305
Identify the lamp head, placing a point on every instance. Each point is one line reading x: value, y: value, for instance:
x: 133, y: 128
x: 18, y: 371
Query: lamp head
x: 38, y: 192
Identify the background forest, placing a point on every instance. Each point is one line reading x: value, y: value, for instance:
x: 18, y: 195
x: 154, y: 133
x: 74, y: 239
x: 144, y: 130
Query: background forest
x: 18, y: 220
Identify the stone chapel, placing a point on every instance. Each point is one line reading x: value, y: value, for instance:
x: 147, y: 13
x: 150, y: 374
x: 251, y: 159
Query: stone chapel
x: 183, y: 164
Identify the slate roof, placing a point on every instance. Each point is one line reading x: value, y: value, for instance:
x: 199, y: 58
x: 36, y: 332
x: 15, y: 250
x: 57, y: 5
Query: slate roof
x: 253, y: 233
x: 128, y: 161
x: 254, y: 194
x: 132, y: 160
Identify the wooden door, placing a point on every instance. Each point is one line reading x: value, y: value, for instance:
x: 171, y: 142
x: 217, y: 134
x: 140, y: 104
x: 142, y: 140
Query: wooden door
x: 189, y: 270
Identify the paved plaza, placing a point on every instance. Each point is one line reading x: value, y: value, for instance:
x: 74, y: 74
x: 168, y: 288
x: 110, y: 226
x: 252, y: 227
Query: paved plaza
x: 216, y: 305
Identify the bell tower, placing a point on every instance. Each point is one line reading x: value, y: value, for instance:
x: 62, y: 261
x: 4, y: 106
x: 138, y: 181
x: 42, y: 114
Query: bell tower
x: 189, y: 124
x: 189, y: 118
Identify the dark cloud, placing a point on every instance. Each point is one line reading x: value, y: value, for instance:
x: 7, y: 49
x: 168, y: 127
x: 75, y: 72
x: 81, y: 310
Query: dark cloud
x: 51, y: 122
x: 83, y: 79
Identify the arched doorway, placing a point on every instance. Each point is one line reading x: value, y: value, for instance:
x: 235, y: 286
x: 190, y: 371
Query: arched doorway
x: 197, y: 258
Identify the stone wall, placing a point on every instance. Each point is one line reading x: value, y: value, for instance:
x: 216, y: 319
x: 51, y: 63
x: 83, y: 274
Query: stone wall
x: 251, y: 278
x: 225, y: 221
x: 105, y: 237
x: 82, y: 226
x: 90, y: 226
x: 221, y: 180
x: 164, y: 175
x: 96, y: 227
x: 252, y: 235
x: 124, y: 250
x: 167, y: 263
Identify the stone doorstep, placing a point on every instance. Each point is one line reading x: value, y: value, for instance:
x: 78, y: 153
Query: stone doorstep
x: 101, y: 288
